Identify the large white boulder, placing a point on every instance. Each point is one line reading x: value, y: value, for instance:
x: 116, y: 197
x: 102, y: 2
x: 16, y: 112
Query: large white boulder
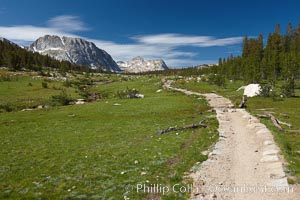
x: 252, y: 90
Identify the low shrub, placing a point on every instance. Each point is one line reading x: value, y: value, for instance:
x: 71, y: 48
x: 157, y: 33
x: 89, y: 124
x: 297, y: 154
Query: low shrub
x: 288, y: 88
x: 7, y: 77
x: 127, y: 93
x: 67, y: 83
x: 7, y: 107
x: 265, y: 90
x: 44, y: 85
x: 61, y: 99
x: 217, y: 79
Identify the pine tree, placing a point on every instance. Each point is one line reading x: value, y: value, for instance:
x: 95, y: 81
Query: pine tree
x: 276, y: 48
x: 220, y: 62
x: 245, y: 52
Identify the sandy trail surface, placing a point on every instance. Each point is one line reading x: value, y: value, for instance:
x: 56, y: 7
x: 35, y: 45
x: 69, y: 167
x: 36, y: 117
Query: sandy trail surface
x: 245, y: 163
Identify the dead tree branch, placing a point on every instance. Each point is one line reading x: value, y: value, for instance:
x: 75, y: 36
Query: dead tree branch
x: 275, y: 122
x: 284, y: 123
x: 292, y: 131
x: 263, y: 116
x: 200, y: 124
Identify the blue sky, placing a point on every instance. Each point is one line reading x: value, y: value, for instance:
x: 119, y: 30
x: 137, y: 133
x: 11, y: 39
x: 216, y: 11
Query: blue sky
x: 183, y: 33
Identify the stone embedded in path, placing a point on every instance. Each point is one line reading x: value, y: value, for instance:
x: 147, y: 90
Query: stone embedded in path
x: 253, y: 120
x: 263, y: 131
x: 268, y: 142
x: 255, y: 126
x: 205, y: 153
x: 224, y: 118
x: 222, y: 134
x: 276, y: 170
x: 277, y: 175
x: 214, y: 153
x: 269, y: 158
x: 223, y: 124
x: 219, y: 145
x: 246, y: 116
x: 276, y: 166
x: 206, y: 163
x: 270, y: 152
x: 270, y: 147
x: 280, y: 183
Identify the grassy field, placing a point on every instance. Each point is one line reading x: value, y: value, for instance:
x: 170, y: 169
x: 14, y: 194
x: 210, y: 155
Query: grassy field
x: 24, y: 91
x: 285, y: 109
x: 95, y: 150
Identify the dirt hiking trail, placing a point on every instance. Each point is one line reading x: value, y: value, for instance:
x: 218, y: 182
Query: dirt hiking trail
x: 245, y: 164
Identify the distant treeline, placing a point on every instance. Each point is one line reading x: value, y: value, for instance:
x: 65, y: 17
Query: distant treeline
x: 188, y: 71
x: 17, y: 58
x: 279, y: 59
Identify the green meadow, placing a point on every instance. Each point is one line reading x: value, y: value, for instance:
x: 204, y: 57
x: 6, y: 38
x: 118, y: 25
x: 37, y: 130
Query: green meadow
x: 24, y: 91
x: 103, y: 149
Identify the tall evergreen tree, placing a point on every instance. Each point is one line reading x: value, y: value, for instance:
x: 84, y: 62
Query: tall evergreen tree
x: 245, y: 52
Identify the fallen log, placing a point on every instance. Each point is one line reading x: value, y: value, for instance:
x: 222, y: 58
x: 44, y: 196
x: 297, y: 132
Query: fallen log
x: 269, y: 112
x: 263, y: 116
x: 284, y: 123
x: 284, y: 115
x: 264, y: 109
x: 275, y: 122
x: 200, y: 124
x: 292, y: 131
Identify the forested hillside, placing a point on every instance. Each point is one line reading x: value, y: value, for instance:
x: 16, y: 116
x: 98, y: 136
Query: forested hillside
x: 279, y: 59
x: 15, y: 57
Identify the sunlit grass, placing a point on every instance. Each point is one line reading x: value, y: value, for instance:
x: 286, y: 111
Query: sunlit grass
x: 97, y: 149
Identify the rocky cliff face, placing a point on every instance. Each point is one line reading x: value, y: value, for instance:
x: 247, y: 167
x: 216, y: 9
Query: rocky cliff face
x: 75, y: 50
x: 139, y: 64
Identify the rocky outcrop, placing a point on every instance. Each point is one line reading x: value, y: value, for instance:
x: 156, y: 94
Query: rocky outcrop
x: 139, y: 64
x: 75, y: 50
